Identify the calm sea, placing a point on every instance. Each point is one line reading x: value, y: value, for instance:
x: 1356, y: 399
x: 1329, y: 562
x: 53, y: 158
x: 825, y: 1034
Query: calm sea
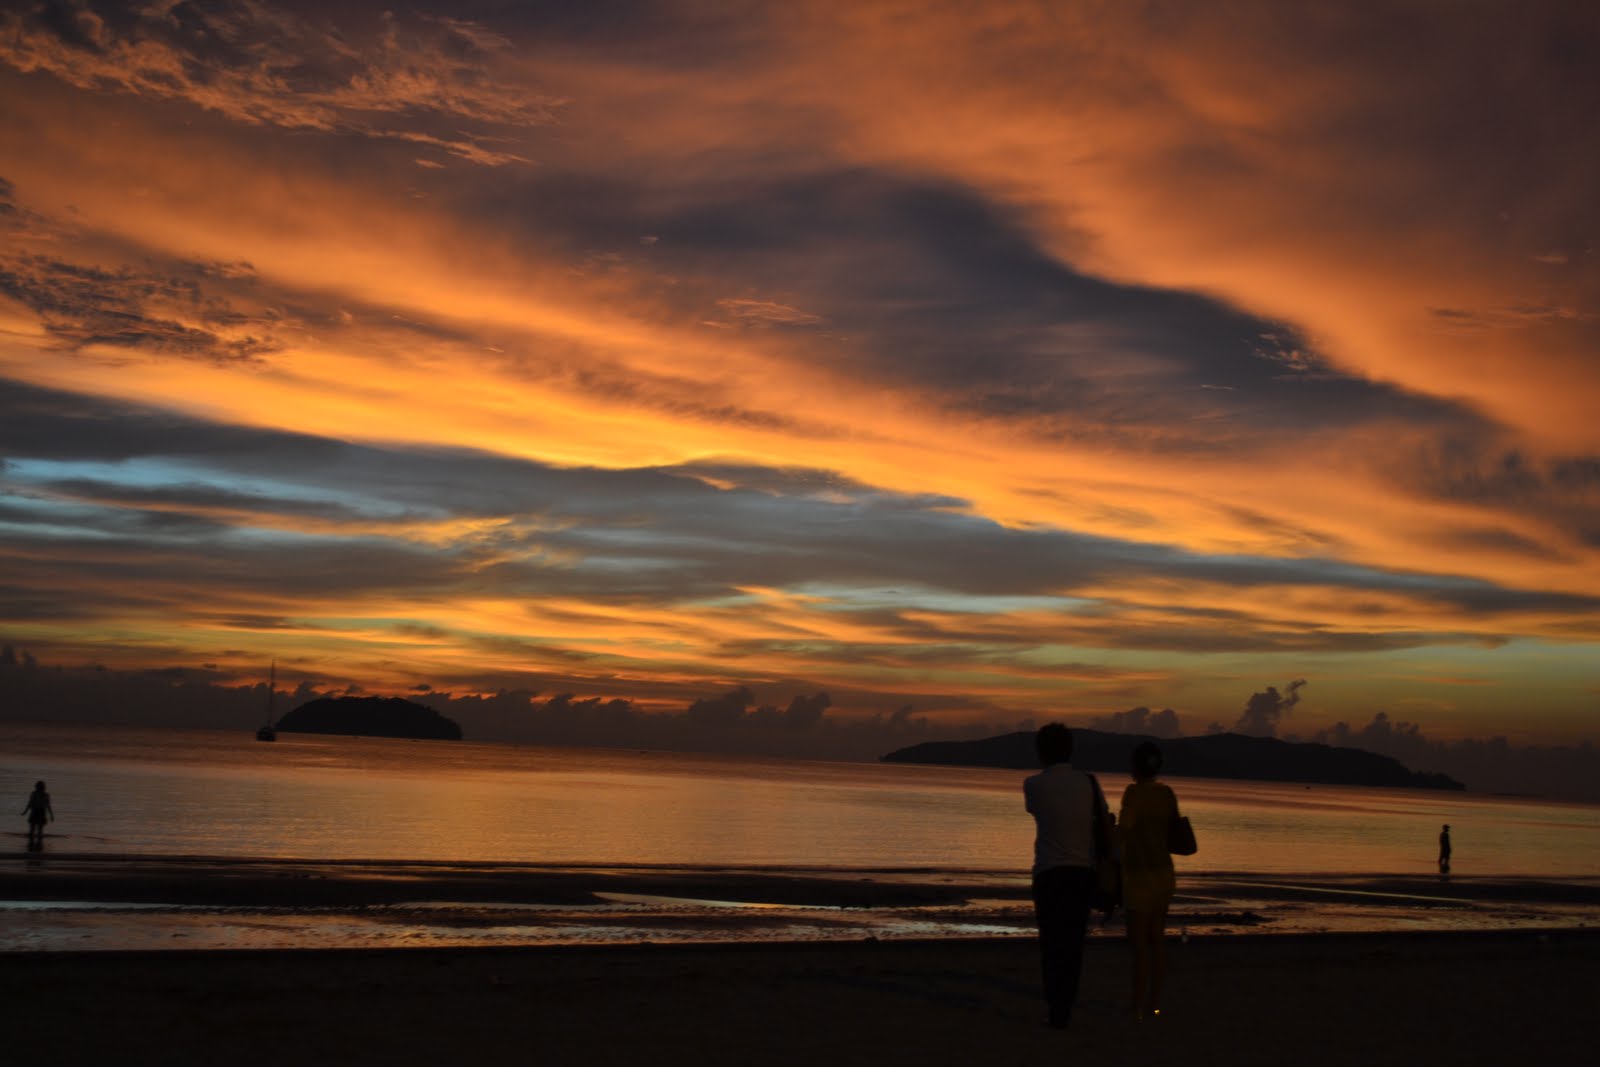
x: 151, y: 792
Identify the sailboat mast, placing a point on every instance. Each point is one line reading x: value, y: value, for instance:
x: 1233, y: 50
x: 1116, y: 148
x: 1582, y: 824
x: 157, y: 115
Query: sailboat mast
x: 268, y: 732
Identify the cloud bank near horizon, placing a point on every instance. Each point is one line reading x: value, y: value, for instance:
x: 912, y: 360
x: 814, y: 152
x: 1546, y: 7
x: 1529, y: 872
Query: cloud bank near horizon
x: 734, y: 721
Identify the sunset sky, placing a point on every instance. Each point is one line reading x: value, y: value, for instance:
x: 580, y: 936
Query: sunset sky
x: 996, y: 360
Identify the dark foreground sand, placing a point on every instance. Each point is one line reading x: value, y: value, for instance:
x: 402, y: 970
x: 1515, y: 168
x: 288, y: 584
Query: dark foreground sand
x: 1346, y: 1000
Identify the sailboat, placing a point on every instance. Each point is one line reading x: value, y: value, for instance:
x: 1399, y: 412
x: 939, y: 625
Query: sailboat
x: 267, y: 731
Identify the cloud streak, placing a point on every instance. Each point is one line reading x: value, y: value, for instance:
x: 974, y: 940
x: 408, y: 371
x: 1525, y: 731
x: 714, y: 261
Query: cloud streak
x: 261, y: 64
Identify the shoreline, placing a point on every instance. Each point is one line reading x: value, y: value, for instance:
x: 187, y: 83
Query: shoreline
x: 1571, y: 936
x: 60, y: 902
x: 1313, y: 1000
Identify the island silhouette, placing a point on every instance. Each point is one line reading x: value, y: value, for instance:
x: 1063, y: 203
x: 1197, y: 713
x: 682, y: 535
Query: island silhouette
x: 1224, y: 755
x: 370, y: 717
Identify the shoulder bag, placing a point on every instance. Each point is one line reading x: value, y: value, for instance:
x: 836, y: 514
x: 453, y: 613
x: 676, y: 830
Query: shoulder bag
x: 1106, y: 891
x: 1180, y: 836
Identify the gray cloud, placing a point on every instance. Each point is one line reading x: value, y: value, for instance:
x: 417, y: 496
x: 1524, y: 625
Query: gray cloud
x: 1561, y: 492
x: 1264, y: 711
x: 49, y: 424
x: 732, y: 721
x: 402, y: 76
x: 206, y: 697
x: 188, y: 503
x: 1140, y: 720
x: 1487, y: 764
x: 929, y: 286
x: 83, y: 305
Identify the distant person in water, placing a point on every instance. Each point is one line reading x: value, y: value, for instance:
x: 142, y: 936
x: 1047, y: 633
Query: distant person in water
x: 1064, y: 803
x: 1444, y: 849
x: 39, y: 812
x: 1148, y: 808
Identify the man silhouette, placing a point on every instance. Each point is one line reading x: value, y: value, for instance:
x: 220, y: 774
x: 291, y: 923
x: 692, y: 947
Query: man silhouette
x: 1444, y: 849
x: 1064, y: 804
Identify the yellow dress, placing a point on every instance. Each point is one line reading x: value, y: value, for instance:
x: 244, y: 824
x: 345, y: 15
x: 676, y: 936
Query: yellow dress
x: 1147, y: 879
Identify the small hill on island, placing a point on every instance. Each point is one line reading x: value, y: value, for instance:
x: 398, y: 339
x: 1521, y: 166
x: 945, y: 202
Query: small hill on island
x: 370, y: 717
x: 1264, y: 759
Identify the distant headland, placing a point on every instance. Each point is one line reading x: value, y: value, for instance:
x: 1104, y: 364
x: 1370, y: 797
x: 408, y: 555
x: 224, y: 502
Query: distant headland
x: 1213, y: 756
x: 370, y: 717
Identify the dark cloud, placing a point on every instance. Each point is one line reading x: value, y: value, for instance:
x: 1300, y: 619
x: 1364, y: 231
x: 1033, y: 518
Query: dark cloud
x: 805, y: 712
x: 41, y: 601
x: 1485, y: 764
x: 1560, y: 492
x: 49, y: 424
x: 930, y: 286
x: 704, y: 36
x: 730, y: 722
x: 736, y: 709
x: 176, y: 493
x: 172, y: 565
x: 392, y: 75
x: 83, y: 305
x: 1264, y: 711
x: 672, y: 395
x: 1140, y: 720
x: 734, y: 721
x: 721, y: 712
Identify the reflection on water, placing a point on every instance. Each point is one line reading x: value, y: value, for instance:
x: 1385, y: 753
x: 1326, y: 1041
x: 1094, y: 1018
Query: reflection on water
x: 209, y: 793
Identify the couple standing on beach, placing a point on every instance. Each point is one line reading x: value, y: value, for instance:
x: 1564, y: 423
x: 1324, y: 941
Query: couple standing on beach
x: 1074, y: 833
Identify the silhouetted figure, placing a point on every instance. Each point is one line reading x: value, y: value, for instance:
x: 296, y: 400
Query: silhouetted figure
x: 1444, y: 849
x: 1065, y: 805
x: 39, y: 812
x: 1148, y: 809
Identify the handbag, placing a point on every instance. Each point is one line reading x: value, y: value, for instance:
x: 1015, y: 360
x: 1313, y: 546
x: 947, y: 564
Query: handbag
x: 1180, y: 836
x: 1105, y: 892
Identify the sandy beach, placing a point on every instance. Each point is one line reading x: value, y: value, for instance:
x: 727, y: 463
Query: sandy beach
x: 1463, y: 998
x: 762, y: 967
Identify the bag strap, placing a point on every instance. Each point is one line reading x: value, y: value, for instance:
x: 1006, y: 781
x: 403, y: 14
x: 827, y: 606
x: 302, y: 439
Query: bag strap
x: 1098, y: 810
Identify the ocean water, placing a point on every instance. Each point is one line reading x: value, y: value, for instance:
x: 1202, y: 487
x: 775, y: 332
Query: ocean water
x: 205, y: 793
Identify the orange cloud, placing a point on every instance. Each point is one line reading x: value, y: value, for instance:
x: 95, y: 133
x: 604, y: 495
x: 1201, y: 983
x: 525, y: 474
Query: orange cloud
x: 237, y: 245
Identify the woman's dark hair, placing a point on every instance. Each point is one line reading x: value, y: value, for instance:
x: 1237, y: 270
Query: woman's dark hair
x: 1053, y: 743
x: 1146, y: 760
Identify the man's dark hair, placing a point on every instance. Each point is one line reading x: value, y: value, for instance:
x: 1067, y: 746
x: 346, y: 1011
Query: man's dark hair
x: 1053, y: 743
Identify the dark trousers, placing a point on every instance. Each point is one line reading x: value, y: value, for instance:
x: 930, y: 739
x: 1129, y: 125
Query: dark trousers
x: 1061, y: 902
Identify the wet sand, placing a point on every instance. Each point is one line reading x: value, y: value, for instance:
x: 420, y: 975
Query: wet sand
x: 59, y: 901
x: 1459, y: 998
x: 814, y: 967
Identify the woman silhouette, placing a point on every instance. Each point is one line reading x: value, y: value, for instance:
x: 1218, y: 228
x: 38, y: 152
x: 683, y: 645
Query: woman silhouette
x: 39, y: 812
x: 1148, y: 808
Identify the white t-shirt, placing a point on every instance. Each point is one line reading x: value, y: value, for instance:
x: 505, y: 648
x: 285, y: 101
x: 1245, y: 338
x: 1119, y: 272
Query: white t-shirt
x: 1061, y: 801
